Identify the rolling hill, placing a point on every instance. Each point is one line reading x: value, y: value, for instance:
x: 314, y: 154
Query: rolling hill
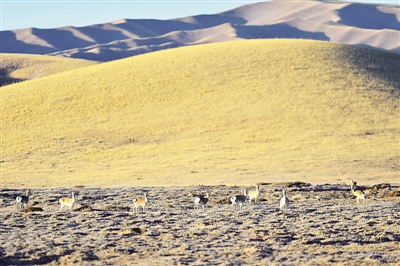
x: 226, y: 113
x: 368, y: 25
x: 20, y: 67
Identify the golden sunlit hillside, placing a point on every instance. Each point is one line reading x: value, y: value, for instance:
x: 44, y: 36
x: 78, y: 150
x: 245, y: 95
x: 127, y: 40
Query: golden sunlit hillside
x: 19, y: 67
x: 227, y: 113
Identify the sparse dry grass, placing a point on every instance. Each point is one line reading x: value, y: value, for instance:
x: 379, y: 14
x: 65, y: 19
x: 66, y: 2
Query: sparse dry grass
x: 228, y: 113
x: 20, y: 67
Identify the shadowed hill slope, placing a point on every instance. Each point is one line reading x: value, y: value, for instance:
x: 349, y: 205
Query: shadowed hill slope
x: 233, y: 112
x: 19, y: 67
x: 370, y: 25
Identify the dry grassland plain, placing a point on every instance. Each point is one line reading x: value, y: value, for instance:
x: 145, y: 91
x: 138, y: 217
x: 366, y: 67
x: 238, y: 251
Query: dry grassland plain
x: 228, y: 113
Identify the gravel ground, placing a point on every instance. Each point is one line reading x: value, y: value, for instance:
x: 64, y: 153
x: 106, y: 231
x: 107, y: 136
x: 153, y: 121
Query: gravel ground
x: 323, y: 225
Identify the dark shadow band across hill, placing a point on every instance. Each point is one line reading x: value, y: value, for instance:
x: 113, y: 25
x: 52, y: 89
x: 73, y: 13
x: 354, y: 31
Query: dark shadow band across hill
x: 5, y: 80
x: 382, y: 65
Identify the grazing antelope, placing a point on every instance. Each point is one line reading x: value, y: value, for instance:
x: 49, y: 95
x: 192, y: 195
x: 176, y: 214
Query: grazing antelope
x: 23, y: 200
x: 254, y: 194
x: 284, y: 204
x: 202, y: 200
x: 365, y: 190
x: 359, y: 194
x: 69, y: 202
x: 140, y: 202
x: 239, y: 199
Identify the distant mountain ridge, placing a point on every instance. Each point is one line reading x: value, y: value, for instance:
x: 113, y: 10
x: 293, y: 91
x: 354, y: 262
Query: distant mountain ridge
x: 369, y: 25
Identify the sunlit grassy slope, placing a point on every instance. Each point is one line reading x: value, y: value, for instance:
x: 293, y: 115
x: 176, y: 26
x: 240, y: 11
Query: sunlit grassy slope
x: 227, y: 113
x: 20, y: 67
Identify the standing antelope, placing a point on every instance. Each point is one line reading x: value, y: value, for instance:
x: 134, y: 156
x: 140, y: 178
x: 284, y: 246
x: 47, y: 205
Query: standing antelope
x: 239, y: 199
x: 359, y: 194
x: 140, y: 202
x: 202, y: 200
x: 254, y: 194
x: 284, y: 204
x: 69, y: 202
x: 23, y: 200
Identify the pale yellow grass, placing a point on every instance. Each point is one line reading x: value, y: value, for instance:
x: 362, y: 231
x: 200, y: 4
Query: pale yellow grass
x: 27, y: 66
x: 228, y: 113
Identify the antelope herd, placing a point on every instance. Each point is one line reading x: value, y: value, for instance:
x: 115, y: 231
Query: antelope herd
x: 237, y: 201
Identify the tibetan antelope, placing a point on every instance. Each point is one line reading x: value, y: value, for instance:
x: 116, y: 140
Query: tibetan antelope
x: 358, y: 193
x: 140, y: 202
x: 69, y: 202
x: 284, y: 203
x: 254, y: 194
x: 23, y: 201
x: 239, y: 199
x: 202, y: 200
